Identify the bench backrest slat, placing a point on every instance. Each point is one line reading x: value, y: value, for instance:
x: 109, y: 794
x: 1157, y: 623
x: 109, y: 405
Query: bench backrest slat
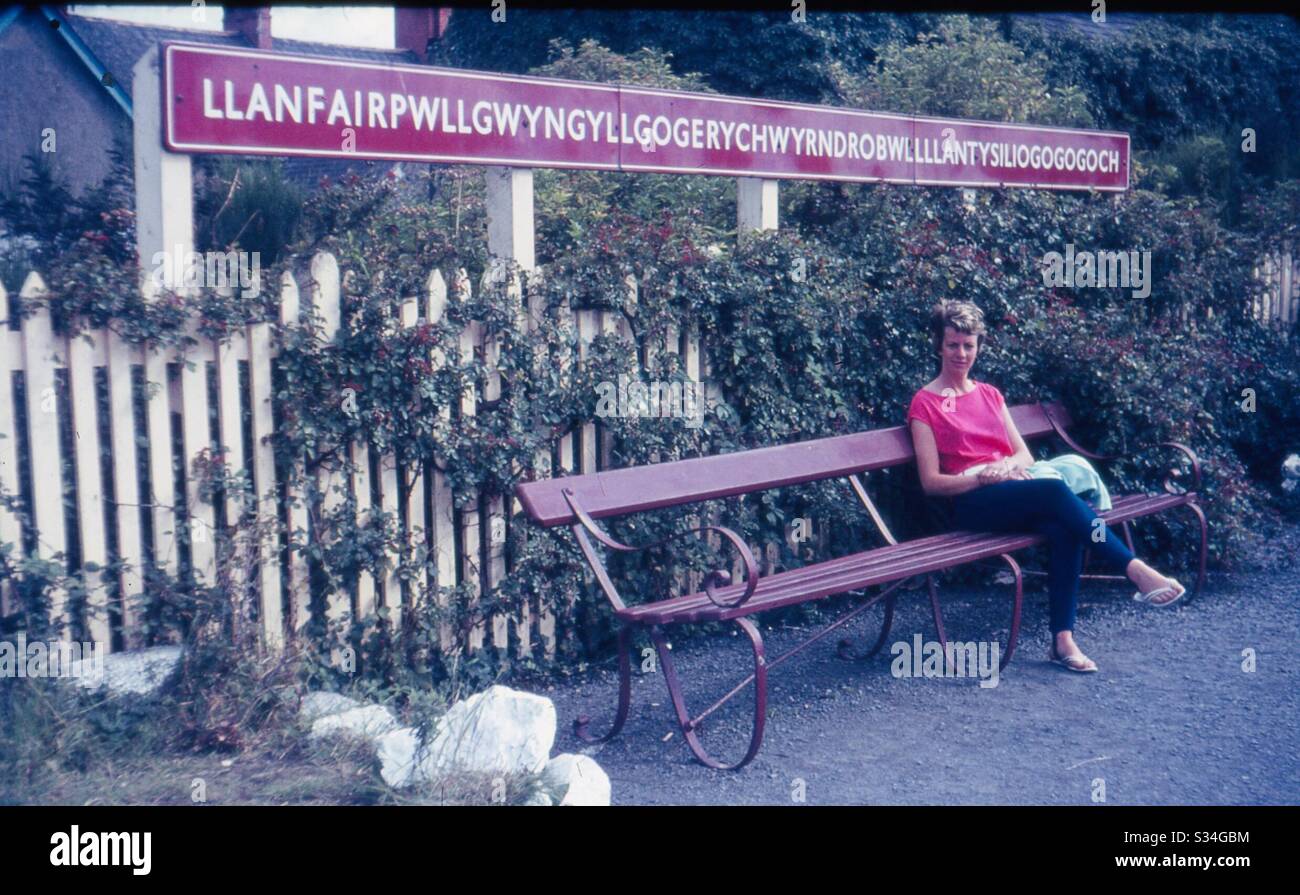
x: 636, y: 489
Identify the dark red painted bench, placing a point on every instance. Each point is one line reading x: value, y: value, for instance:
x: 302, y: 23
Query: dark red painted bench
x: 581, y: 500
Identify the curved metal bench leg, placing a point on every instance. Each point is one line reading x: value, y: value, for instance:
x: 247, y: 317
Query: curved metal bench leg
x: 938, y: 618
x: 845, y: 646
x: 689, y: 727
x: 1205, y: 534
x: 624, y: 693
x: 1014, y: 634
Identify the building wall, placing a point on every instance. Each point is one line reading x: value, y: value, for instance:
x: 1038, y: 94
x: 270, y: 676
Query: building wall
x: 45, y: 85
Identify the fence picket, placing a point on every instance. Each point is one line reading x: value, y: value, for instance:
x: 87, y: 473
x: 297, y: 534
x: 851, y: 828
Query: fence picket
x: 10, y: 528
x: 564, y: 454
x: 324, y: 273
x: 40, y: 355
x: 260, y: 400
x: 413, y: 475
x: 196, y: 438
x: 565, y: 365
x: 471, y: 337
x: 587, y: 331
x: 126, y: 484
x: 230, y: 426
x: 389, y: 503
x: 162, y: 485
x: 230, y: 416
x: 533, y: 318
x: 295, y: 495
x: 607, y: 323
x: 495, y: 569
x: 82, y: 398
x: 360, y: 456
x: 443, y: 523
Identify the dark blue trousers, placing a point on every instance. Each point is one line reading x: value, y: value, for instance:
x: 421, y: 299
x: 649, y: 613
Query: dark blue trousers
x: 1049, y: 507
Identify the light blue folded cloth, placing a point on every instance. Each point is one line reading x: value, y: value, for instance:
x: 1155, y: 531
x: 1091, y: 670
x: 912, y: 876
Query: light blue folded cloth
x: 1074, y: 470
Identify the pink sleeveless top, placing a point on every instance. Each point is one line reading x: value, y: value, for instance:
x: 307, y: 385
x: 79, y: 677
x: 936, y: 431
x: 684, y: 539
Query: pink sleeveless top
x: 968, y: 429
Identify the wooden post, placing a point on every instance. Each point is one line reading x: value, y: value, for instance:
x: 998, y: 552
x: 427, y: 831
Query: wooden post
x: 511, y: 237
x: 164, y: 187
x: 757, y: 204
x: 511, y: 234
x: 164, y: 222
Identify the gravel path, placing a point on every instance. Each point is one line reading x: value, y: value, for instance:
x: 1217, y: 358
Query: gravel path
x: 1171, y: 718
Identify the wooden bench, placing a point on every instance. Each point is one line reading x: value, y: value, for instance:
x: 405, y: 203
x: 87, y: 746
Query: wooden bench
x: 579, y: 501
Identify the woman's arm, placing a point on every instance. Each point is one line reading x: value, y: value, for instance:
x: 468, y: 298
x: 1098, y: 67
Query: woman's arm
x: 934, y: 482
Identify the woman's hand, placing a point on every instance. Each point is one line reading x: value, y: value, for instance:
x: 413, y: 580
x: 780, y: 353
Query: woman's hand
x: 1002, y: 471
x: 993, y: 474
x: 1016, y: 471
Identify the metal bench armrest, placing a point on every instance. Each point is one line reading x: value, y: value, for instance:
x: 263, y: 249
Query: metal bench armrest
x: 1074, y: 445
x: 711, y: 581
x: 1174, y: 472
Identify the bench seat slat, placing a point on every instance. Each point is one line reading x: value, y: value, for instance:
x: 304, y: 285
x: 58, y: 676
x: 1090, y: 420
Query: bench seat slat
x: 871, y: 567
x: 796, y: 585
x: 1125, y: 507
x: 841, y: 570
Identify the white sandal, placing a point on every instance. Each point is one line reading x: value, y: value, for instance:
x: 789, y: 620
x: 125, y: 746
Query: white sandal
x: 1147, y: 597
x: 1077, y: 662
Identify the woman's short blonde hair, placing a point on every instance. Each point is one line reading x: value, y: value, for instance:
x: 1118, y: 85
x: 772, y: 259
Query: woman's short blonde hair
x: 963, y: 316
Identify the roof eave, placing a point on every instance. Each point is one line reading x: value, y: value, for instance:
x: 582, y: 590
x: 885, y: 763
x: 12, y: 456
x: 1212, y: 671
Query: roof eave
x: 91, y: 61
x: 7, y: 17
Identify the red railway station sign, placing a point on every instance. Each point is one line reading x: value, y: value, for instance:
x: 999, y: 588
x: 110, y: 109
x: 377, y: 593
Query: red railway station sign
x: 249, y: 102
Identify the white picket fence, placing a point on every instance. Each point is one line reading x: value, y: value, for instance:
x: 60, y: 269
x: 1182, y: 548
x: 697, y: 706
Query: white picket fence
x: 455, y: 540
x: 1279, y: 302
x: 36, y: 351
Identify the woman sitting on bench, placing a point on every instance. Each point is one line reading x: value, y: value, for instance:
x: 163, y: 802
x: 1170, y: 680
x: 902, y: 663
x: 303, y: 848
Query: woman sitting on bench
x: 958, y: 423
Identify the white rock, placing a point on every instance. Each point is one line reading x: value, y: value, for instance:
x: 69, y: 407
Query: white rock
x: 498, y: 731
x: 397, y: 753
x: 140, y: 672
x: 587, y: 782
x: 318, y: 704
x: 369, y: 721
